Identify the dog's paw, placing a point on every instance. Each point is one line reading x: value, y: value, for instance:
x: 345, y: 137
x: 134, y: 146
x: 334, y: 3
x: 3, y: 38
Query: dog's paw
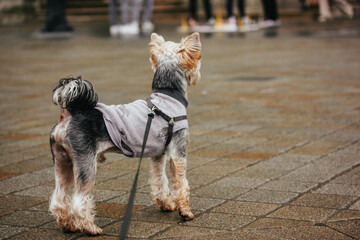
x: 93, y: 230
x: 167, y: 205
x: 67, y: 225
x: 187, y: 216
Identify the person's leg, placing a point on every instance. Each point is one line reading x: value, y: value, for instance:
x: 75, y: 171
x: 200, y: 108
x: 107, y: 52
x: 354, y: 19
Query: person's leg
x: 229, y: 8
x: 148, y: 10
x: 124, y: 11
x: 208, y: 9
x: 241, y: 8
x: 272, y: 9
x: 193, y: 9
x: 324, y: 10
x: 113, y: 18
x: 136, y: 8
x: 55, y: 17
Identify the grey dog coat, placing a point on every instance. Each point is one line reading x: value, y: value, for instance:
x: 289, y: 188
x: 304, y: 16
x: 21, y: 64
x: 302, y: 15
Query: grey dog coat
x: 126, y: 123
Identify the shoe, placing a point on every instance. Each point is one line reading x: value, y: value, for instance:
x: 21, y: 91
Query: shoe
x: 192, y: 24
x: 114, y: 31
x: 230, y: 25
x: 248, y: 25
x: 147, y: 27
x: 129, y: 29
x: 345, y: 7
x: 211, y: 22
x: 324, y: 18
x: 270, y: 24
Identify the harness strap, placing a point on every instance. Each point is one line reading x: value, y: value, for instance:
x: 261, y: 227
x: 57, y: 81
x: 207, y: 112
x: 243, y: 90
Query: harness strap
x: 170, y: 120
x: 128, y: 212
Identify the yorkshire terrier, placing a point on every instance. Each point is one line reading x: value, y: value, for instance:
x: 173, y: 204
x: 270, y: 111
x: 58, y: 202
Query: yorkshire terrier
x: 87, y: 129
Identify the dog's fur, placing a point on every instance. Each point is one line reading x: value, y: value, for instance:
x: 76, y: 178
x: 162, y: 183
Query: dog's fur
x: 80, y: 139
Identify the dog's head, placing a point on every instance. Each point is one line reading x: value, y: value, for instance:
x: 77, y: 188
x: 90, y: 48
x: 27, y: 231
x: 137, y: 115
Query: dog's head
x: 185, y: 54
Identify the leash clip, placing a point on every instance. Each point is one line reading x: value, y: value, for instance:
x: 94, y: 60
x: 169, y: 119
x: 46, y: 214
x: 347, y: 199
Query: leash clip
x: 152, y: 112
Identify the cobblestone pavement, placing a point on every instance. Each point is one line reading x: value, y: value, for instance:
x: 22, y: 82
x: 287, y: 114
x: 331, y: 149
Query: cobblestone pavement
x: 274, y: 123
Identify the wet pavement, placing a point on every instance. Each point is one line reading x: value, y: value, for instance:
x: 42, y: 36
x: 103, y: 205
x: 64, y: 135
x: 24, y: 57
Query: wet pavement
x: 274, y: 124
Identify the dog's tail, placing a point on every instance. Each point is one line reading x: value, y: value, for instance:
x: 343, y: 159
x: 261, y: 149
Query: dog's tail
x: 75, y: 94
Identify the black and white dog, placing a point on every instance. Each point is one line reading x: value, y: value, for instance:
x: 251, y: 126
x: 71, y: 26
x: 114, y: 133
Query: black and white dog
x: 87, y: 129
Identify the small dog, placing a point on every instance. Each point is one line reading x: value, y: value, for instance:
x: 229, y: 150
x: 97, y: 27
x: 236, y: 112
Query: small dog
x: 87, y: 129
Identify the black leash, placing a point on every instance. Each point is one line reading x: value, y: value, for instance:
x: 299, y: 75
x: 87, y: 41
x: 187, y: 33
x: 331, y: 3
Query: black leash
x: 128, y: 212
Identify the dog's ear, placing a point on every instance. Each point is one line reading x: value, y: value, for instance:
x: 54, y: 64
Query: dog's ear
x: 190, y: 48
x: 154, y: 48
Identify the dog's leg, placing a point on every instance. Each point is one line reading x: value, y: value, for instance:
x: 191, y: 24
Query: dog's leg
x: 181, y: 193
x: 160, y: 185
x: 82, y: 202
x: 60, y: 200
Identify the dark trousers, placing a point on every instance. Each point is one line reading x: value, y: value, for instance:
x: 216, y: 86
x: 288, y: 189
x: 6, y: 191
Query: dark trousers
x: 270, y: 9
x: 55, y: 17
x: 193, y: 9
x: 229, y: 8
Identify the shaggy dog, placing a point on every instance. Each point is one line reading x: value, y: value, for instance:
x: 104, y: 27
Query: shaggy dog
x: 87, y: 129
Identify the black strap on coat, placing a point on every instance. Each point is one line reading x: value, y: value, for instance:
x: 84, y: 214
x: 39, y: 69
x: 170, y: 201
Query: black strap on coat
x: 170, y: 120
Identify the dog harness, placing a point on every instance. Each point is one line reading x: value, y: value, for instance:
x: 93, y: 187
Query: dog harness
x: 126, y: 123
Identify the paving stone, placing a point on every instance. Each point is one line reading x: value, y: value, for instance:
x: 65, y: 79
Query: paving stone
x: 356, y: 206
x: 349, y: 227
x: 113, y: 210
x: 103, y: 174
x: 154, y: 214
x: 204, y: 204
x: 286, y: 161
x: 323, y: 201
x: 278, y: 145
x: 345, y: 215
x: 347, y: 179
x: 30, y: 165
x: 305, y: 233
x: 43, y: 191
x: 340, y: 189
x: 4, y: 212
x: 193, y: 161
x: 137, y: 229
x: 25, y: 181
x: 101, y: 237
x: 267, y: 196
x: 318, y: 147
x: 210, y: 152
x: 25, y: 219
x: 141, y: 199
x: 253, y: 155
x: 222, y: 166
x: 257, y: 172
x: 5, y: 175
x: 220, y: 221
x: 245, y: 208
x: 302, y: 213
x: 228, y: 188
x: 213, y: 169
x: 184, y: 232
x: 288, y: 186
x: 44, y: 234
x: 8, y: 231
x: 266, y: 223
x: 123, y: 183
x: 14, y: 202
x: 197, y: 180
x: 346, y: 136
